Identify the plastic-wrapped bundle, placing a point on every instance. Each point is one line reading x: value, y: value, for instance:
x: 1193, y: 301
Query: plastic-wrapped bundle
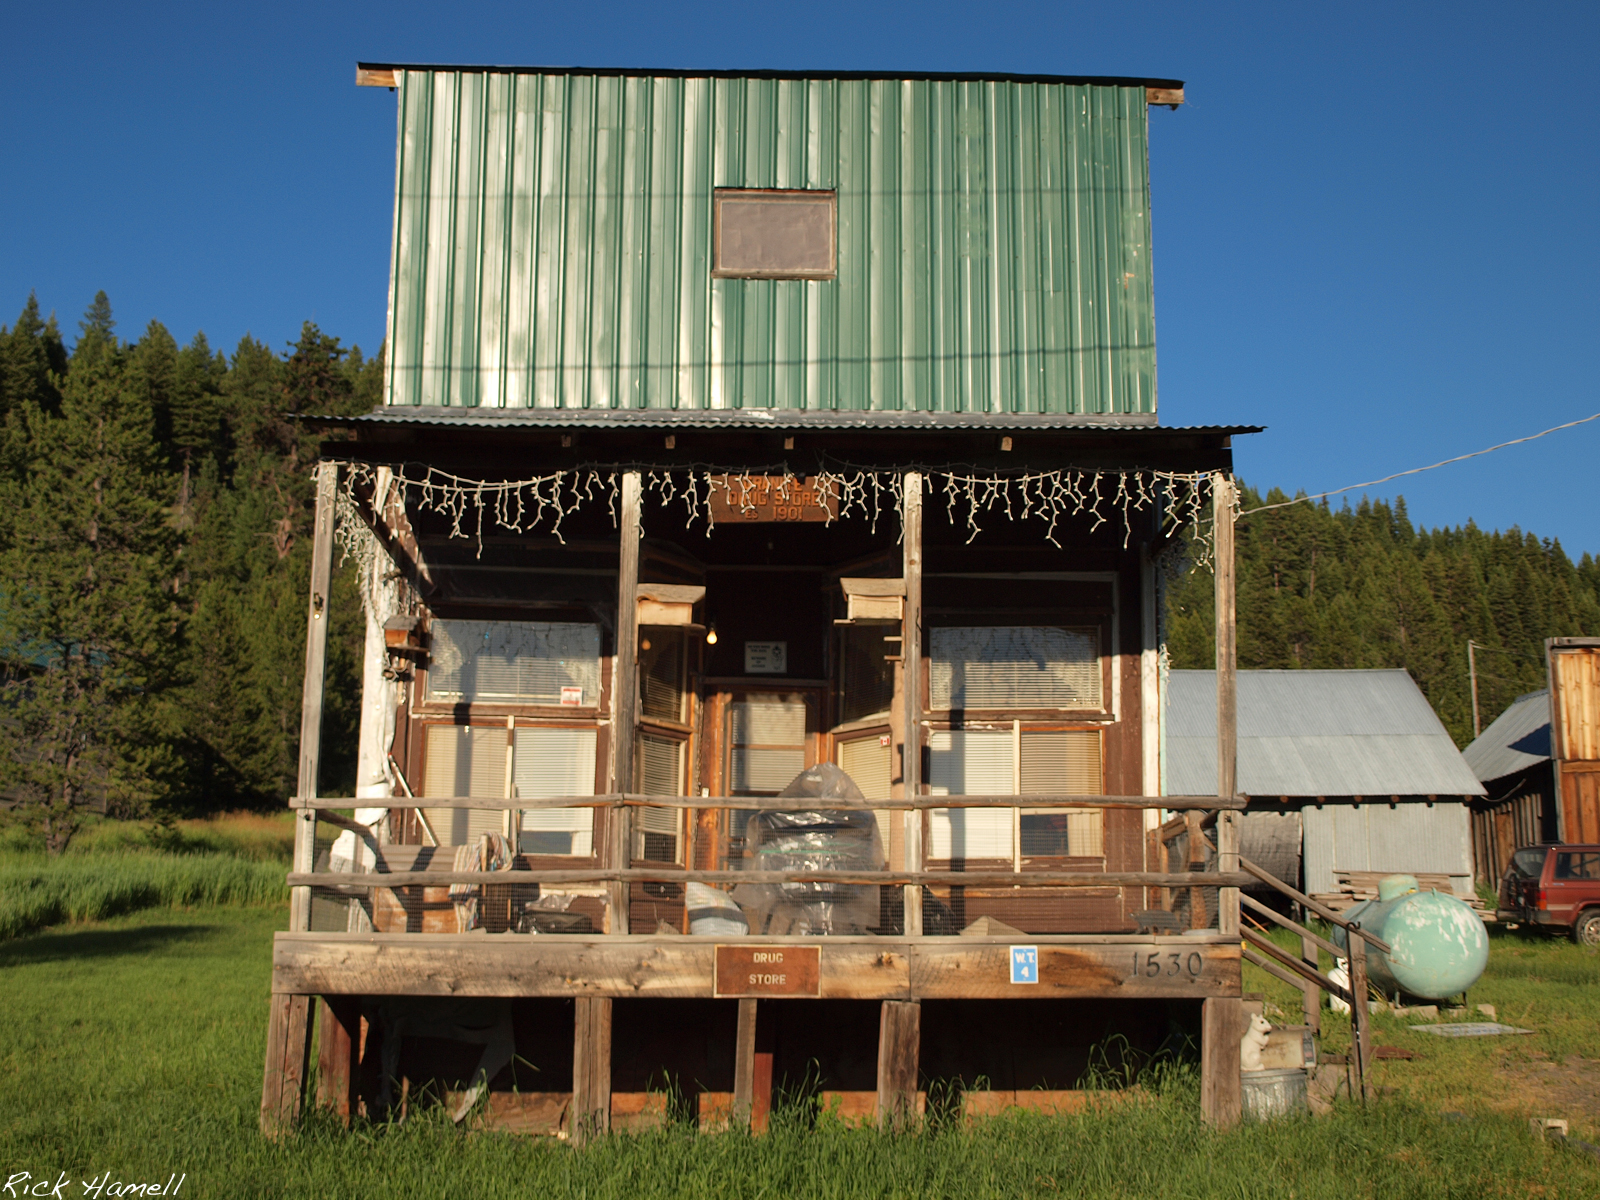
x: 813, y: 839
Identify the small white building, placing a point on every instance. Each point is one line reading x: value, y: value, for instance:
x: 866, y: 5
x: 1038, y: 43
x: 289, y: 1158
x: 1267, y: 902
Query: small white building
x: 1346, y: 770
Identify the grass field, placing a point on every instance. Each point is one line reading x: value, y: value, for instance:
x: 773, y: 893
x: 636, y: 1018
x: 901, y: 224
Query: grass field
x: 134, y: 1046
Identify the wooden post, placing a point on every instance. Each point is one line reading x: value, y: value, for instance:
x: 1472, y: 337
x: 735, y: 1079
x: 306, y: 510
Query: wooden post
x: 288, y: 1055
x: 911, y: 735
x: 1360, y: 1015
x: 1221, y: 1029
x: 624, y: 697
x: 317, y: 616
x: 338, y: 1055
x: 899, y: 1049
x: 1312, y: 994
x: 752, y: 1073
x: 1222, y: 494
x: 591, y: 1068
x: 289, y: 1017
x: 1196, y: 862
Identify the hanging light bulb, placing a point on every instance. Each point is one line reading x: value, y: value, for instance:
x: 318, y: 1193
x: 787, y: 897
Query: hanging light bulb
x: 711, y: 635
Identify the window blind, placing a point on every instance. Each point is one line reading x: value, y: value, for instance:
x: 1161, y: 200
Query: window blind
x: 868, y: 763
x: 980, y: 763
x: 660, y: 773
x: 555, y: 762
x: 1011, y: 667
x: 767, y: 744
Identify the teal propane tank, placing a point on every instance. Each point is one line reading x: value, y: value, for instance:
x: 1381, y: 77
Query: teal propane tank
x: 1440, y: 946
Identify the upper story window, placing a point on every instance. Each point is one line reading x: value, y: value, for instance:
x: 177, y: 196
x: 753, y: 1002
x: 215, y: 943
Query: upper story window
x: 1015, y: 667
x: 515, y: 662
x: 760, y: 233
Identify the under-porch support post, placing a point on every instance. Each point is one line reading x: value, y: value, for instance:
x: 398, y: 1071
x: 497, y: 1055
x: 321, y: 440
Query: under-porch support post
x: 752, y: 1072
x: 288, y: 1055
x: 1222, y: 1027
x: 338, y: 1055
x: 591, y: 1068
x: 624, y: 698
x: 899, y: 1058
x: 289, y: 1018
x: 911, y: 674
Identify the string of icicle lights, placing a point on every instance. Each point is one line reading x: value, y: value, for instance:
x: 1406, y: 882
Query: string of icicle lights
x: 540, y: 503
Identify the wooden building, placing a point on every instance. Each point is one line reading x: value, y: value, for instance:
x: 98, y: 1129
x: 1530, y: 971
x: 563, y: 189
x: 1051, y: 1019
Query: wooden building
x: 737, y: 426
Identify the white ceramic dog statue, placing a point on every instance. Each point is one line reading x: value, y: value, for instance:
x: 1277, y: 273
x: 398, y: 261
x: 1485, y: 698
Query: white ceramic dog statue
x: 1253, y: 1043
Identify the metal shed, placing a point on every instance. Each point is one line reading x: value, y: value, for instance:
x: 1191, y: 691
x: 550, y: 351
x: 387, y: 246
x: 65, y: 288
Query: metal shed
x: 1358, y: 758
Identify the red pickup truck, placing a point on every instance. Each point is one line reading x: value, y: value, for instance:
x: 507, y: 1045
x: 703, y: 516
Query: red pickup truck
x: 1556, y: 887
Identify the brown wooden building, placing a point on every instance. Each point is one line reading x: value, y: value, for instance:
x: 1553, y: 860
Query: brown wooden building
x: 762, y: 546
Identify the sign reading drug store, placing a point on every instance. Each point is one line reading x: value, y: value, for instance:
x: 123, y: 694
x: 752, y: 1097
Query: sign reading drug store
x: 768, y: 971
x: 743, y: 499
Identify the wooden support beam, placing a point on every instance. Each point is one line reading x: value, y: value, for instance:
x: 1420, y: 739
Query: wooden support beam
x: 1037, y: 883
x: 338, y: 1055
x: 899, y: 1050
x: 1222, y: 506
x: 1288, y: 962
x: 911, y: 673
x: 288, y: 1055
x: 591, y: 1068
x: 1360, y: 1017
x: 782, y: 804
x: 1311, y: 994
x: 618, y: 849
x: 1221, y: 1092
x: 744, y: 1063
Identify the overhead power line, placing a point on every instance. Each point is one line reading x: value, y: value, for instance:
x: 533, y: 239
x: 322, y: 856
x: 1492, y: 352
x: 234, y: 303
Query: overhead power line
x: 1418, y: 470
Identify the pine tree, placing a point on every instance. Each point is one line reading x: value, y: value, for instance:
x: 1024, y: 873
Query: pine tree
x: 91, y: 628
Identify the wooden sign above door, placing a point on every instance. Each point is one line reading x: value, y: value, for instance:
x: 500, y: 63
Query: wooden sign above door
x: 752, y: 499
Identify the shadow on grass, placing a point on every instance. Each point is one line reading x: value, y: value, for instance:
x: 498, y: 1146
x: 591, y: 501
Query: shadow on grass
x: 57, y: 946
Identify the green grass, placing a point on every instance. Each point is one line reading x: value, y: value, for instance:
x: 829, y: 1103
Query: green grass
x: 135, y: 1045
x: 119, y: 867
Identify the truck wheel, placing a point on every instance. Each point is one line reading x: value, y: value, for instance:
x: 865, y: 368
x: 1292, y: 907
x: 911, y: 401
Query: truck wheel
x: 1586, y: 930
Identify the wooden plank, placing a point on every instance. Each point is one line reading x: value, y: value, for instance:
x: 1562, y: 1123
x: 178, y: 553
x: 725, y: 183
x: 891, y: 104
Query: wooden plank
x: 338, y: 1055
x: 1322, y: 910
x: 911, y: 675
x: 1171, y: 968
x: 899, y: 1050
x: 1311, y: 940
x: 617, y: 850
x: 419, y: 964
x: 591, y: 1068
x: 318, y: 617
x: 1360, y: 1016
x: 1172, y: 97
x: 1197, y: 897
x: 1227, y: 647
x: 375, y: 77
x: 288, y: 1055
x: 781, y: 804
x: 1222, y: 1026
x: 744, y: 1061
x: 1301, y: 972
x: 345, y: 883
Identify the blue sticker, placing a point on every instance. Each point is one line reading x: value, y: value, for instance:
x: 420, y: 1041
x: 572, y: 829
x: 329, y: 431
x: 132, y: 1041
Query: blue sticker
x: 1024, y: 964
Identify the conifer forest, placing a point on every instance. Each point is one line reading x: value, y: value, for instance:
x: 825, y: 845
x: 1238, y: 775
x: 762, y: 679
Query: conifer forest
x: 155, y: 538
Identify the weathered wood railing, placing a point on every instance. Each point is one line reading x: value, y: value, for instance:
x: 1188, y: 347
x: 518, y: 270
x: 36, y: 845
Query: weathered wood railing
x: 615, y: 873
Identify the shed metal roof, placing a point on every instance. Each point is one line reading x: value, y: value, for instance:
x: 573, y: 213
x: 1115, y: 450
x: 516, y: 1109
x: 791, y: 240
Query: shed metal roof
x: 1315, y: 733
x: 690, y: 73
x: 1517, y: 739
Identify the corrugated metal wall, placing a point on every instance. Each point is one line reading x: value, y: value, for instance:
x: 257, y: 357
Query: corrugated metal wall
x: 552, y: 245
x: 1410, y: 836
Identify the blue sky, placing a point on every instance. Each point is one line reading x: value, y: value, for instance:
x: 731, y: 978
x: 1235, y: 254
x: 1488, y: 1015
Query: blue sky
x: 1375, y: 224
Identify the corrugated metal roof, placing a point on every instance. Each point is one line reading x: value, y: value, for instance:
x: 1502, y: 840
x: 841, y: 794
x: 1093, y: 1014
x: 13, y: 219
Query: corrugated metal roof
x: 553, y: 239
x: 766, y: 418
x: 1517, y: 739
x: 1315, y: 733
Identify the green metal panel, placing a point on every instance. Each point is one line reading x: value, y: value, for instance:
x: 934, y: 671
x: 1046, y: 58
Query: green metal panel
x: 553, y: 244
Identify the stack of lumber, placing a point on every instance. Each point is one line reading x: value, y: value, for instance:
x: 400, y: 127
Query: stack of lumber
x: 1356, y: 886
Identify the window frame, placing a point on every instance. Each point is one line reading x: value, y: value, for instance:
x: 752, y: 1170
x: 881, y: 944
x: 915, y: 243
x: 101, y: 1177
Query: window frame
x: 792, y: 195
x: 1102, y: 628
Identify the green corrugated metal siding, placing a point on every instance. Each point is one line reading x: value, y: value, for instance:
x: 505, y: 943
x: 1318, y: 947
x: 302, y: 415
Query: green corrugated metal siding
x: 552, y: 245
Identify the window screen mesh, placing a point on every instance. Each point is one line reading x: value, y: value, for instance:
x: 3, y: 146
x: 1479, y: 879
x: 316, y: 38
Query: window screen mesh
x: 767, y: 740
x: 866, y: 676
x: 527, y: 661
x: 1004, y: 667
x: 661, y: 674
x: 555, y: 762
